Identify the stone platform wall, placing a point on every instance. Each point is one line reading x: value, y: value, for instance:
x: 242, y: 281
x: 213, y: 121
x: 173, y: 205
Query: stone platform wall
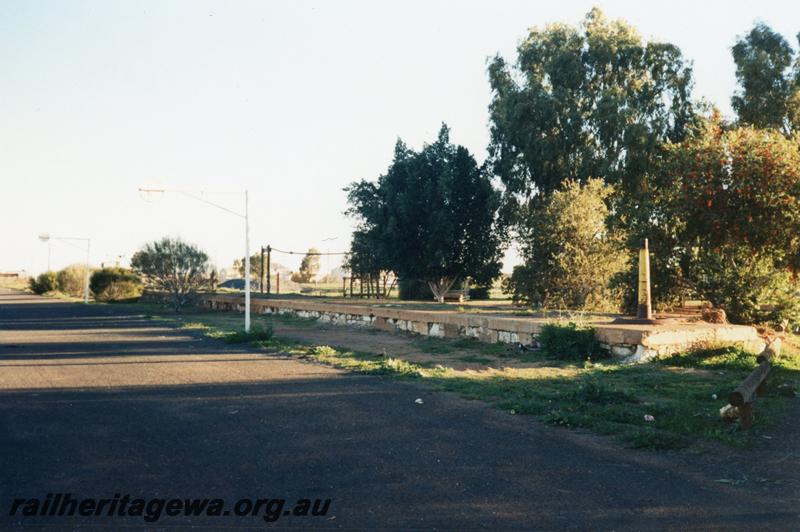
x: 633, y: 343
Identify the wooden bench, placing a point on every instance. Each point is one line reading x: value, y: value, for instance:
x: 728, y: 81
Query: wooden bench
x: 458, y: 296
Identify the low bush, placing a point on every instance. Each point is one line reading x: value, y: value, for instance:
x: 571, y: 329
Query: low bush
x: 115, y: 284
x: 44, y: 282
x: 479, y: 293
x: 570, y: 342
x: 413, y: 290
x: 751, y: 288
x: 321, y: 350
x: 256, y: 334
x: 72, y: 280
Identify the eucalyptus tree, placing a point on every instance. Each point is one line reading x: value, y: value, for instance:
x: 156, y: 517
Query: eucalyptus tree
x: 768, y: 76
x: 593, y: 101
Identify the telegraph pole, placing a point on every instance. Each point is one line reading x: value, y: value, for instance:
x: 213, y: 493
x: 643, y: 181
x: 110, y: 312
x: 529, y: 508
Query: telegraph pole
x: 261, y: 285
x: 269, y: 256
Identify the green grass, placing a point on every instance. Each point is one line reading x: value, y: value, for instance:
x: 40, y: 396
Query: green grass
x: 442, y: 346
x: 476, y: 359
x: 682, y: 393
x: 256, y: 334
x: 615, y: 399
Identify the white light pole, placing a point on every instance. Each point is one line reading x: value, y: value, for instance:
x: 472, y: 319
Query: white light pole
x: 327, y: 253
x: 46, y: 237
x: 246, y: 263
x: 246, y: 218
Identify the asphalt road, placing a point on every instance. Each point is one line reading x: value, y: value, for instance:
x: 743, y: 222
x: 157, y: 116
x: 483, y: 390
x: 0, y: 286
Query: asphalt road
x: 96, y: 401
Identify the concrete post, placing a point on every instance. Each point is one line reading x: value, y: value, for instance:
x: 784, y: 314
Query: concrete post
x: 645, y: 308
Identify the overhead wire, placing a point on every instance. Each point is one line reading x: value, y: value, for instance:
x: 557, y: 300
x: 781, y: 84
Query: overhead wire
x: 306, y: 252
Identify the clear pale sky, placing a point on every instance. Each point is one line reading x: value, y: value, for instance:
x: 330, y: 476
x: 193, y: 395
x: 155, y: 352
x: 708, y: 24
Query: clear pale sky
x: 291, y: 100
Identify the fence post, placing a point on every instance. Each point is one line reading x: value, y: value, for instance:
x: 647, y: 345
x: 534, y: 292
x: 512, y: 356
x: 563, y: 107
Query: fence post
x: 269, y: 269
x: 754, y: 385
x: 261, y: 285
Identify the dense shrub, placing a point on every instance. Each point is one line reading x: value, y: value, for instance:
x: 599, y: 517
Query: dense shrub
x: 413, y: 290
x: 479, y: 293
x: 569, y: 342
x: 751, y: 287
x: 115, y: 284
x: 72, y: 280
x: 256, y: 334
x: 570, y: 254
x: 722, y: 219
x: 44, y: 282
x: 173, y: 266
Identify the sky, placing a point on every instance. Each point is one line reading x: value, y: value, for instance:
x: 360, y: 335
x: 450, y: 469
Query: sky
x: 289, y: 100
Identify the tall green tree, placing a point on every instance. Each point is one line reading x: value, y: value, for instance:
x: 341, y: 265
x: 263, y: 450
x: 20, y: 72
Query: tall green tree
x: 255, y: 266
x: 768, y: 75
x: 570, y: 253
x: 173, y: 266
x: 432, y: 217
x: 309, y: 267
x: 594, y: 101
x: 366, y: 262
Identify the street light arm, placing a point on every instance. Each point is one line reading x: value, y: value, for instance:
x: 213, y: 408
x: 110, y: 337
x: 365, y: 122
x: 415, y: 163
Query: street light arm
x: 194, y: 197
x: 246, y: 219
x: 69, y: 238
x: 198, y: 198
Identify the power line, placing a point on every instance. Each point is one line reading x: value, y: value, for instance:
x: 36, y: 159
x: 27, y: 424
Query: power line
x: 307, y: 253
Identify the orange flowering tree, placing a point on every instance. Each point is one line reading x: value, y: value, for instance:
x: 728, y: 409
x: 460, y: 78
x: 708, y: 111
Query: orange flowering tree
x: 731, y: 199
x: 739, y: 187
